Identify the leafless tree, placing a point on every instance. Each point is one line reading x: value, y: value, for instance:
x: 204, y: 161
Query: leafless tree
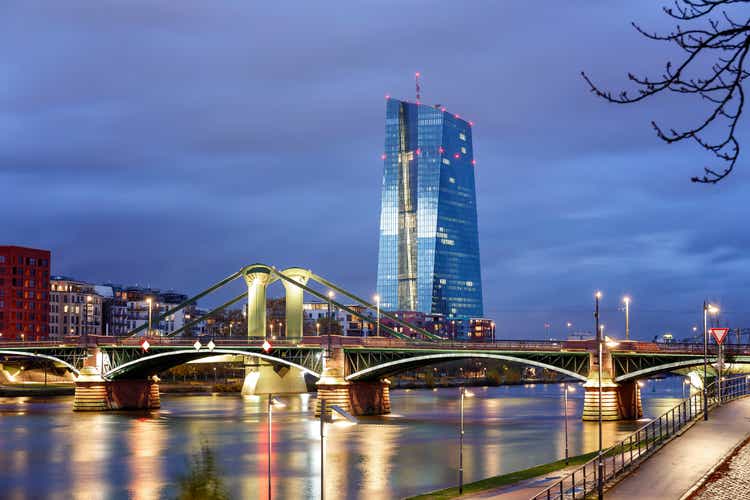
x: 715, y: 44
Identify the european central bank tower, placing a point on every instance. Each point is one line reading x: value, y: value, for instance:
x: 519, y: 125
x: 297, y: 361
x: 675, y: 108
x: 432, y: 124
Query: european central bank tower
x: 429, y: 242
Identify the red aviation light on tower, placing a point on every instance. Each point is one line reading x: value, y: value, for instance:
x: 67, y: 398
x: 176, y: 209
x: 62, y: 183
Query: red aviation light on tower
x: 418, y: 151
x: 441, y: 149
x: 471, y: 124
x: 457, y: 156
x: 383, y: 156
x: 473, y: 162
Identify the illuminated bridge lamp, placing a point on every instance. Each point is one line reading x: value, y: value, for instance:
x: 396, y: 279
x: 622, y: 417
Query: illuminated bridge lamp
x: 145, y: 345
x: 266, y: 346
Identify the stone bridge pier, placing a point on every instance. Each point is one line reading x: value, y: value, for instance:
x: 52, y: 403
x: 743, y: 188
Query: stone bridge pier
x: 620, y: 400
x: 356, y: 397
x: 93, y: 393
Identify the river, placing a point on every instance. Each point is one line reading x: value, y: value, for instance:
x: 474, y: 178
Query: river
x: 47, y: 451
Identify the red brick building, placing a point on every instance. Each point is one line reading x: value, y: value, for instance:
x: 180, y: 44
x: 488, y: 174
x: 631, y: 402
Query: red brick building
x: 24, y: 293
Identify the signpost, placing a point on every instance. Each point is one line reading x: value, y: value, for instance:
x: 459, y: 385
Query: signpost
x: 719, y: 334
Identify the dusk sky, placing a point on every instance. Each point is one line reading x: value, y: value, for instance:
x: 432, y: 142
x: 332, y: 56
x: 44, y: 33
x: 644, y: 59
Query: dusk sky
x: 170, y: 143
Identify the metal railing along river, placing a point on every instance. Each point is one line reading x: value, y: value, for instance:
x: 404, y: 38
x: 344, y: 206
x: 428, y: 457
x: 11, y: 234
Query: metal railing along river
x: 618, y: 458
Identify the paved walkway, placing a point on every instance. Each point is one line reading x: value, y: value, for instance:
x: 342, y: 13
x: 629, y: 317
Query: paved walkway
x: 684, y: 461
x: 522, y: 490
x: 731, y: 479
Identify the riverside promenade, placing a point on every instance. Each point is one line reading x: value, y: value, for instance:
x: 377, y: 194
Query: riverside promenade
x: 673, y: 471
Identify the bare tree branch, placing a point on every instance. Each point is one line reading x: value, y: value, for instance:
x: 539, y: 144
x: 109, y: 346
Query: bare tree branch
x: 723, y: 41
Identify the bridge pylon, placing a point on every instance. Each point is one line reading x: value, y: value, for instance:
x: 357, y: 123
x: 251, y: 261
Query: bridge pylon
x: 257, y: 278
x: 295, y: 301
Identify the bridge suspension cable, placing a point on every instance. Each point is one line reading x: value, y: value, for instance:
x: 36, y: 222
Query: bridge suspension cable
x: 189, y: 301
x: 371, y: 306
x: 337, y: 304
x: 280, y: 275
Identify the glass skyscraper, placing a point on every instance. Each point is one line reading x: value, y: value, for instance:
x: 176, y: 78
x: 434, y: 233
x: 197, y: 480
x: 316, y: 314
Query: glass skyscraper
x: 429, y: 242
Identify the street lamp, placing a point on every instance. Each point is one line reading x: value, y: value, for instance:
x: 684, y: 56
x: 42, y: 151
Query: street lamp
x: 377, y: 315
x: 565, y: 410
x: 599, y: 338
x: 493, y: 331
x: 272, y: 401
x: 317, y: 328
x: 626, y: 299
x: 707, y: 308
x: 323, y: 416
x: 461, y: 445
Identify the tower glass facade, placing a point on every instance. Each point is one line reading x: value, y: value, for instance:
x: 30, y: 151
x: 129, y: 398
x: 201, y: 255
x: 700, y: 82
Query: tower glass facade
x: 429, y: 242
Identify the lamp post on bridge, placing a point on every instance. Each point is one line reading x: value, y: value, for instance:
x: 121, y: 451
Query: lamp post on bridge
x: 707, y: 308
x: 86, y: 319
x: 599, y: 339
x: 626, y: 299
x: 377, y: 315
x: 149, y: 301
x: 330, y: 322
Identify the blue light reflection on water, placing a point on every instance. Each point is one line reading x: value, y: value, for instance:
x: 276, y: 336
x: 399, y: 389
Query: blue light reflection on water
x: 50, y: 452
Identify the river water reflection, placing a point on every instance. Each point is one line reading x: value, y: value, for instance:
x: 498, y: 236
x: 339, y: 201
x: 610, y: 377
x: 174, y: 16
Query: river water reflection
x: 50, y: 452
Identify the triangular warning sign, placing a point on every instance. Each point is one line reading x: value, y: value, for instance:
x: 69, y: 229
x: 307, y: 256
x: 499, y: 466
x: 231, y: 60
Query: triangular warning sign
x: 719, y: 334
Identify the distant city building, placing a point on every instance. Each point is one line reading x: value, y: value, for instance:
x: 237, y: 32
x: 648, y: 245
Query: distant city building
x: 24, y: 293
x: 481, y: 329
x: 75, y: 308
x: 137, y: 300
x: 114, y: 309
x: 429, y: 242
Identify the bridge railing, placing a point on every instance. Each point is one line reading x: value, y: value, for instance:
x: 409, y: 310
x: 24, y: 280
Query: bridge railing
x: 618, y: 458
x: 679, y: 348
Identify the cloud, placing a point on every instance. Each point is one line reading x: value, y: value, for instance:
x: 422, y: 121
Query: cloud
x: 170, y: 143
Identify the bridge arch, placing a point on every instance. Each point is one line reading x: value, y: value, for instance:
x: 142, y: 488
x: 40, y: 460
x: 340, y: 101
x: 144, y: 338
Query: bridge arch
x: 41, y: 356
x: 391, y: 367
x: 166, y: 360
x: 689, y: 363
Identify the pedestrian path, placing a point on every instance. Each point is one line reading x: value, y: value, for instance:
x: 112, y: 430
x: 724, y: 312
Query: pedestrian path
x: 731, y: 479
x: 673, y: 470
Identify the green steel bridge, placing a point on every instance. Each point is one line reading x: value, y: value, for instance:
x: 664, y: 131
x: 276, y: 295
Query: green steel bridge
x: 340, y: 361
x: 370, y: 358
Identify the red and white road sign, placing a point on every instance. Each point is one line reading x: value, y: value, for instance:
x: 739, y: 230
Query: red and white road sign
x: 719, y: 334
